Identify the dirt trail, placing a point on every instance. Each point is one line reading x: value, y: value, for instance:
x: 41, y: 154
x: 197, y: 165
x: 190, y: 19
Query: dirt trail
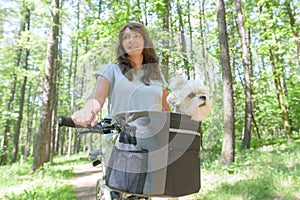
x: 85, y: 180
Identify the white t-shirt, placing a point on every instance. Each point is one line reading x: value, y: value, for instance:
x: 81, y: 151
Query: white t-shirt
x: 132, y: 95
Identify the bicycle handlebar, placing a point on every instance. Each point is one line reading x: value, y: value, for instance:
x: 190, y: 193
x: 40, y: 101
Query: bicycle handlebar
x: 103, y: 127
x: 66, y: 121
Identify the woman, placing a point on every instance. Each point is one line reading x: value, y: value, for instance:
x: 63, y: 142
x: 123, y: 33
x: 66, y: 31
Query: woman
x: 134, y: 83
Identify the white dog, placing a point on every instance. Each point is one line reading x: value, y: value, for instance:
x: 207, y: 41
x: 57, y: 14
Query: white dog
x: 190, y: 97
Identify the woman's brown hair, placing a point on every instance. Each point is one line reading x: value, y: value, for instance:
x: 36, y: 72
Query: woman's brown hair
x: 150, y: 59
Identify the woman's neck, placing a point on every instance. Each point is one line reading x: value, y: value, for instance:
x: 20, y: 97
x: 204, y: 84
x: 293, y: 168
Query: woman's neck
x: 137, y: 61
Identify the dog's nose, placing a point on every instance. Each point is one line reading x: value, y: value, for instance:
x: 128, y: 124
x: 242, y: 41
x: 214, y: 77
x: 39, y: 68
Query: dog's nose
x: 202, y: 97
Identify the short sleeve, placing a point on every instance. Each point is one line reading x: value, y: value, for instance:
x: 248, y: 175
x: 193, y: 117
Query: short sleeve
x: 107, y: 72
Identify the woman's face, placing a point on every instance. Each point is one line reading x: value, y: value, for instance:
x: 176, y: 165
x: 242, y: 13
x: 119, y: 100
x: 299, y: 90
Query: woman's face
x: 133, y: 42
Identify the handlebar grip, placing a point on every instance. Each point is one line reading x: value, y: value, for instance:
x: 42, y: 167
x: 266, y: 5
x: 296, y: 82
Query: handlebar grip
x: 106, y: 130
x: 66, y: 121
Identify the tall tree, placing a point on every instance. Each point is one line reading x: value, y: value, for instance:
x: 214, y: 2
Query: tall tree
x: 30, y: 113
x: 7, y: 127
x: 46, y: 113
x: 246, y: 63
x: 75, y: 78
x: 166, y: 41
x: 294, y: 26
x: 191, y: 50
x: 277, y: 64
x: 10, y: 104
x: 204, y: 55
x: 23, y: 88
x: 58, y: 76
x: 228, y: 146
x: 183, y: 42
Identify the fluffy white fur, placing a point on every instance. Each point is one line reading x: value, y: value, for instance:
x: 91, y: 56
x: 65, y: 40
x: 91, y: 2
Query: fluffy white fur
x: 190, y: 97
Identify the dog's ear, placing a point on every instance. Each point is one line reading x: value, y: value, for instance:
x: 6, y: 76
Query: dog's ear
x: 176, y: 82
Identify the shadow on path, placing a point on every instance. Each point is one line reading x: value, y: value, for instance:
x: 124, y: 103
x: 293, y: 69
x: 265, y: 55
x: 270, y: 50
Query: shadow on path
x: 85, y: 180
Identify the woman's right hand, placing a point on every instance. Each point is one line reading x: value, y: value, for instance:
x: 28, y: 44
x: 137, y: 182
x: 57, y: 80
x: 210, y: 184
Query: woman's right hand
x: 86, y: 116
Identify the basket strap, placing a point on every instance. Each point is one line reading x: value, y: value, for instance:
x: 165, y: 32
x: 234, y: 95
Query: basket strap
x: 184, y: 131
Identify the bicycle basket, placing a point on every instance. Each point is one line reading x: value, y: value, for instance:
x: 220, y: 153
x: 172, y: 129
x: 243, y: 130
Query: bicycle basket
x: 165, y: 161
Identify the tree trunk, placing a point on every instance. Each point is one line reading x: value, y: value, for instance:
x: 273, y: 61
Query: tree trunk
x: 34, y: 132
x: 19, y: 122
x: 166, y: 41
x: 4, y: 145
x: 54, y: 114
x: 29, y: 124
x: 203, y: 41
x: 46, y: 113
x: 62, y: 143
x: 99, y: 8
x: 56, y: 86
x: 70, y: 133
x: 294, y: 27
x: 183, y: 43
x: 191, y: 41
x: 277, y: 73
x: 22, y: 96
x: 59, y: 72
x: 278, y: 76
x: 7, y: 126
x: 146, y: 13
x: 227, y: 154
x: 90, y: 142
x: 246, y: 63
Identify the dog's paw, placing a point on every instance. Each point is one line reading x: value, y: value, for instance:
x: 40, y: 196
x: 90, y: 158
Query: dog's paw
x: 171, y: 98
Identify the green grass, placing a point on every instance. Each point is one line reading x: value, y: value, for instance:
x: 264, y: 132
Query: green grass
x: 264, y: 173
x: 50, y: 182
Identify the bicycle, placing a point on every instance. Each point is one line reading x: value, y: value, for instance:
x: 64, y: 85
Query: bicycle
x: 152, y: 154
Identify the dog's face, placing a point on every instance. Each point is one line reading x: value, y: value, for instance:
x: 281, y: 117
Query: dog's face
x: 190, y: 97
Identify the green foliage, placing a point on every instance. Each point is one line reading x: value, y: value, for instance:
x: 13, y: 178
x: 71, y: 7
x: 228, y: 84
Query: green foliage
x: 212, y: 131
x: 268, y: 172
x: 261, y: 188
x: 92, y: 29
x: 49, y: 182
x: 45, y: 193
x: 294, y: 98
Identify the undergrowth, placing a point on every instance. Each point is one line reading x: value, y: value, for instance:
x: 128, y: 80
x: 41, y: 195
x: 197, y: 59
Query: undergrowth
x: 265, y: 173
x: 18, y: 182
x: 261, y: 173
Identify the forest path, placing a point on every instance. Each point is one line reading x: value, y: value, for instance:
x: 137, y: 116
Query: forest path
x: 85, y: 180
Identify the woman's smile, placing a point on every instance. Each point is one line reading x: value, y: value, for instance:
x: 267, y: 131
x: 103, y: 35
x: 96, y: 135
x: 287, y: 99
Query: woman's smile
x: 133, y: 42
